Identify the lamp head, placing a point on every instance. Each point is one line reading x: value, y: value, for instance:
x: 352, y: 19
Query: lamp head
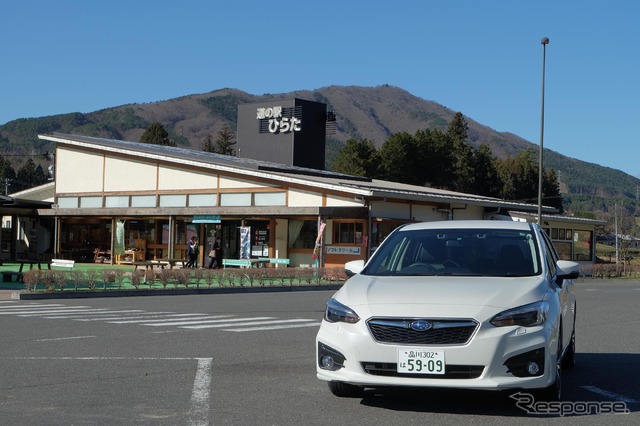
x: 545, y: 40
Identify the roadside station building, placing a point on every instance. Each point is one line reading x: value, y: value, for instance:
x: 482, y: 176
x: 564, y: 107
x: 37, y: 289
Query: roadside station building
x: 145, y: 201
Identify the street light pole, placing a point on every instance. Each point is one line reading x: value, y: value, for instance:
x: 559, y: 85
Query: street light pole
x: 544, y: 43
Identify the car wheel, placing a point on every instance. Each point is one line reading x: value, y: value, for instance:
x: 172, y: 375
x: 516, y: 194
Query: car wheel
x: 345, y: 390
x: 554, y: 392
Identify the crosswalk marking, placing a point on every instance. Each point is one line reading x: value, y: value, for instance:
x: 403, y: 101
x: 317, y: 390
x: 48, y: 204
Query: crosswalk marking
x: 169, y: 320
x: 208, y: 321
x: 191, y: 321
x: 246, y: 323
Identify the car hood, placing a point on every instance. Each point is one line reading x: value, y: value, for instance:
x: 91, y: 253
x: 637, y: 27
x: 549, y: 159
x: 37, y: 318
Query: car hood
x: 438, y: 296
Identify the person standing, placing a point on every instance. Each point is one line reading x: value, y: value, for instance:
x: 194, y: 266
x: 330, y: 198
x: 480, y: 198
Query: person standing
x: 192, y: 252
x: 215, y: 254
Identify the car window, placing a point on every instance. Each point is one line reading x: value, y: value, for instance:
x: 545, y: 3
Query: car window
x: 485, y: 252
x: 551, y: 255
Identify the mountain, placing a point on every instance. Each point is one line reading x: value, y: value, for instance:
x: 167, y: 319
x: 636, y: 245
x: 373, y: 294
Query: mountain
x: 374, y: 113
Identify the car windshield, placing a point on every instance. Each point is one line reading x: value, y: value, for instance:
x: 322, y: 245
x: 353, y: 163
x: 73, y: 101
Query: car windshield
x: 477, y: 252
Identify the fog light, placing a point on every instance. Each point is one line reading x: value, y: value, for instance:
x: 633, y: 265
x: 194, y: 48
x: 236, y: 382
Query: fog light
x: 533, y: 368
x: 327, y: 362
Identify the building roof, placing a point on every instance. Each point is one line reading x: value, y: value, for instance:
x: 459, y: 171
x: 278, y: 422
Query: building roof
x: 351, y: 185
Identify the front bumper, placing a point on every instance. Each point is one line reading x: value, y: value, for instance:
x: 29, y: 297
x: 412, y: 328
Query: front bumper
x: 478, y: 364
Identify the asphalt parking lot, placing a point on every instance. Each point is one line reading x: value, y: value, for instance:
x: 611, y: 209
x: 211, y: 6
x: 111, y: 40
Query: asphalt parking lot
x: 249, y: 359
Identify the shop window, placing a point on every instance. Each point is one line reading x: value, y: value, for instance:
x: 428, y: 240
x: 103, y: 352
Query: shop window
x: 348, y: 232
x: 269, y: 199
x: 143, y: 201
x: 202, y: 200
x: 303, y: 234
x: 176, y: 200
x: 116, y: 201
x: 563, y: 249
x: 380, y: 230
x: 242, y: 199
x: 582, y: 245
x: 68, y: 202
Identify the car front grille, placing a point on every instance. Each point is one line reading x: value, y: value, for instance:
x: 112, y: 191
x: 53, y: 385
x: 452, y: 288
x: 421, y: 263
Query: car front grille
x: 451, y: 371
x: 404, y: 331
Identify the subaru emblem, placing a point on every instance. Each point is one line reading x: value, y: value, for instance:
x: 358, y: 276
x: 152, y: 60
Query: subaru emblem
x: 420, y: 325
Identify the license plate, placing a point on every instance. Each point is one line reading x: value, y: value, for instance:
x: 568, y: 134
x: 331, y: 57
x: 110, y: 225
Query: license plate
x: 420, y: 361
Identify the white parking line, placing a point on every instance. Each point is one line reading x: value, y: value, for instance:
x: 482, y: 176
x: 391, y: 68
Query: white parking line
x: 610, y: 395
x: 200, y: 395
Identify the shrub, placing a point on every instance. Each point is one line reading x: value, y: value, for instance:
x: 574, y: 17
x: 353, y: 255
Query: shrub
x: 136, y: 278
x: 31, y: 279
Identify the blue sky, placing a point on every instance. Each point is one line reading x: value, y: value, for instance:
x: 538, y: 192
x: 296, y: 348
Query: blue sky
x: 482, y: 58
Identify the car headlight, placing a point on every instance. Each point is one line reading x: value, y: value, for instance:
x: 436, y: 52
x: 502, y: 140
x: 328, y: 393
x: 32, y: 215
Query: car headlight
x: 525, y: 316
x: 337, y: 312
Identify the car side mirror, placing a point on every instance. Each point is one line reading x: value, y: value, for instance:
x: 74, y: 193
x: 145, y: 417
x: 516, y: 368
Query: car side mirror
x: 354, y: 267
x: 567, y: 270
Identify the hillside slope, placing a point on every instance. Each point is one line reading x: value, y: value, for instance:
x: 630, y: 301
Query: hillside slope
x: 373, y: 113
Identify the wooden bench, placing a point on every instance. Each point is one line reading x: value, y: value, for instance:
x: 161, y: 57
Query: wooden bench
x: 63, y: 263
x: 242, y: 263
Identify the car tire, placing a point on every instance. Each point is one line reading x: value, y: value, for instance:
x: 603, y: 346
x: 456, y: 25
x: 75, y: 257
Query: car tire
x: 554, y: 392
x: 345, y: 390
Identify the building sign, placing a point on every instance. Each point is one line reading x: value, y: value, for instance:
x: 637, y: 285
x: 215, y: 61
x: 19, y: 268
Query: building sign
x: 206, y: 218
x: 279, y: 120
x: 351, y: 251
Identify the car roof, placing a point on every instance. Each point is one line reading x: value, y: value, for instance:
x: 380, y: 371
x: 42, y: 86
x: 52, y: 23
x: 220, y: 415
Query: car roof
x: 469, y: 224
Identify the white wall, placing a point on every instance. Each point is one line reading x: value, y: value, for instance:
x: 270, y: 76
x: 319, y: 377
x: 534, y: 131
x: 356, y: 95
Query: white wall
x: 78, y: 171
x: 299, y: 198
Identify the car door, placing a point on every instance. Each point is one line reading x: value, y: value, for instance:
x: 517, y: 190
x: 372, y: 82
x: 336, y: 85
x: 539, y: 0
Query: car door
x: 564, y: 291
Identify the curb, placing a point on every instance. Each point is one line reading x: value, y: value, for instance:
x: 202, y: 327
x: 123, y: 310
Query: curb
x: 172, y: 292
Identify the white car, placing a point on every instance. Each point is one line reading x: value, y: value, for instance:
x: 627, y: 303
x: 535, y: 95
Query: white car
x: 455, y: 304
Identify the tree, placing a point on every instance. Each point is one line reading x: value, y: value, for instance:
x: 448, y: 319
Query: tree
x: 156, y: 135
x: 225, y: 142
x: 207, y: 144
x: 358, y: 158
x: 486, y: 179
x: 520, y: 180
x: 400, y: 159
x: 435, y: 159
x: 457, y: 133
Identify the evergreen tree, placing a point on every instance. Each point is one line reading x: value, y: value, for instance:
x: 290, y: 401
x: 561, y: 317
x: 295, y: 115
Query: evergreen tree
x: 435, y: 159
x: 357, y: 158
x: 486, y: 179
x: 457, y: 133
x: 156, y: 135
x: 226, y: 142
x: 551, y: 190
x: 401, y: 160
x: 207, y: 144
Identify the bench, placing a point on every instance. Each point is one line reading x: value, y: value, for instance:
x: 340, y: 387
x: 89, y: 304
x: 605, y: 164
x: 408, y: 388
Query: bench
x: 63, y: 263
x: 242, y: 263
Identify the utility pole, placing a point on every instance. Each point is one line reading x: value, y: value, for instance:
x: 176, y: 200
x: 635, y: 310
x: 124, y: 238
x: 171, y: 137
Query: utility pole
x: 615, y: 216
